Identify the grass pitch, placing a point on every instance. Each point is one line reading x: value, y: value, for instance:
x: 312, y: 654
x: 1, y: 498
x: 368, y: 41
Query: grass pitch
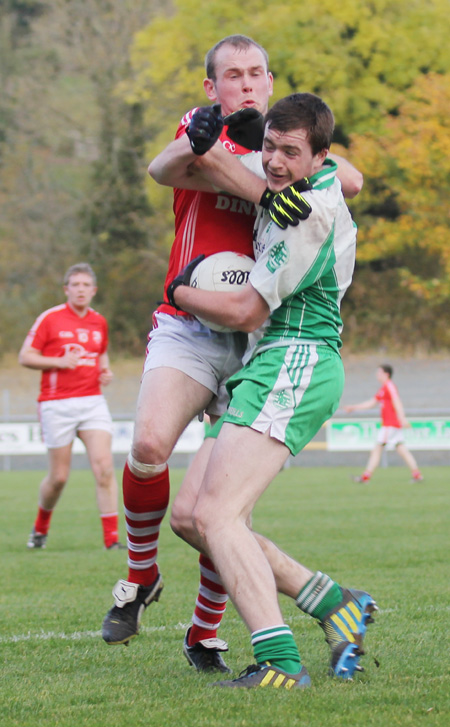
x: 389, y: 537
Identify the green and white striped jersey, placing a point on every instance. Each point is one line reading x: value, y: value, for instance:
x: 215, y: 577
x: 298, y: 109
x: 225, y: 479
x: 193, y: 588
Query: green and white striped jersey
x: 303, y: 272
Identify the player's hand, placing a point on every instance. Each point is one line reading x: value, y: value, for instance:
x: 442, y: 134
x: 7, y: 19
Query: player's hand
x: 106, y: 376
x: 289, y: 206
x: 246, y: 127
x: 205, y: 128
x: 69, y: 360
x: 183, y: 278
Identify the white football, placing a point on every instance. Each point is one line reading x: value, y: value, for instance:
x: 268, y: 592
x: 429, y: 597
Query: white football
x: 223, y: 271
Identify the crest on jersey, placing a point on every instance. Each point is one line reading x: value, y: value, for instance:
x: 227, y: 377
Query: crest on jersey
x: 278, y: 256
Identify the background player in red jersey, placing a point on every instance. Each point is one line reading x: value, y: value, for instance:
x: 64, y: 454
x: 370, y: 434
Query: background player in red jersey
x: 68, y: 343
x: 393, y: 420
x: 187, y: 364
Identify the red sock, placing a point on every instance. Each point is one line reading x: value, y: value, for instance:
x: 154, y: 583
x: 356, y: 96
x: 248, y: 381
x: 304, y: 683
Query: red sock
x: 145, y: 503
x: 366, y: 476
x: 42, y: 522
x: 110, y: 525
x: 210, y: 605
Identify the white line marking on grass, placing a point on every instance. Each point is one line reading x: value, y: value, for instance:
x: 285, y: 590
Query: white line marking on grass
x: 78, y: 635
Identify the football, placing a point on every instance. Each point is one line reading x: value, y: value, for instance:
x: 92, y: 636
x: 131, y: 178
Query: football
x: 223, y: 271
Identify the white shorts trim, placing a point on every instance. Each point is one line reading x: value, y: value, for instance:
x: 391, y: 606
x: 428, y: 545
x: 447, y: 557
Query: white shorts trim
x: 62, y: 419
x: 390, y: 436
x: 206, y: 356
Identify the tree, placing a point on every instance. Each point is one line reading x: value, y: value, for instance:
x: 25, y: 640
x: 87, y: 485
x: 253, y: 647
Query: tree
x: 73, y: 172
x: 404, y: 216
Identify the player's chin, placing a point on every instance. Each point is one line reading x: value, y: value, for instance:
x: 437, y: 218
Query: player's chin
x: 276, y: 185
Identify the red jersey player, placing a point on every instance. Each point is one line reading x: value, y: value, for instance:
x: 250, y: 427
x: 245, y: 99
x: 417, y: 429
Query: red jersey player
x: 68, y: 343
x: 187, y: 364
x: 393, y: 421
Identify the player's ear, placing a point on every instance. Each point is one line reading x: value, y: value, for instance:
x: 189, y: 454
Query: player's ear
x: 210, y: 89
x: 318, y: 160
x: 270, y: 77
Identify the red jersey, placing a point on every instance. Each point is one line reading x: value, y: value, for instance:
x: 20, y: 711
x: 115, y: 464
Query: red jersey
x: 384, y: 395
x: 58, y: 330
x: 208, y: 222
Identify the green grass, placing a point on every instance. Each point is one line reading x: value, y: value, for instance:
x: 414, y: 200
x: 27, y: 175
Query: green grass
x: 389, y: 537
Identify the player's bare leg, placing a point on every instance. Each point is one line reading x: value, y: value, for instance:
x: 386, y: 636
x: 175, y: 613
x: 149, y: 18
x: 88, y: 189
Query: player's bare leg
x: 410, y: 461
x: 290, y: 575
x: 245, y: 563
x: 98, y: 447
x: 168, y: 400
x: 184, y: 503
x: 372, y: 463
x: 50, y: 490
x: 229, y: 492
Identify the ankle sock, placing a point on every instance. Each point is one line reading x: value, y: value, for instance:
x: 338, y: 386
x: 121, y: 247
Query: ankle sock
x: 319, y: 596
x: 42, y: 522
x: 276, y: 646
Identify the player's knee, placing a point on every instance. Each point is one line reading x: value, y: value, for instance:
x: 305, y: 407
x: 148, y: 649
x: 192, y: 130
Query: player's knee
x: 105, y: 475
x: 201, y: 520
x: 181, y: 521
x: 143, y: 469
x: 153, y: 450
x: 57, y: 483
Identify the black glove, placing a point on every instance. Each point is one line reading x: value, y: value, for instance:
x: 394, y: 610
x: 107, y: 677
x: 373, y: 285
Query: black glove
x: 205, y: 128
x: 246, y: 127
x: 183, y: 278
x: 288, y: 206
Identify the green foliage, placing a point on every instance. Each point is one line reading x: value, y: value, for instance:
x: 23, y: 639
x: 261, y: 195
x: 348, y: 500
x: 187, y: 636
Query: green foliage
x: 404, y: 218
x: 73, y: 172
x: 390, y: 538
x: 357, y: 55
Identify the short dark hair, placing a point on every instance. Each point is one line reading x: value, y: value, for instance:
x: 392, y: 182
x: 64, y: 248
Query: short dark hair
x: 387, y: 368
x: 240, y: 42
x: 80, y: 268
x: 304, y: 111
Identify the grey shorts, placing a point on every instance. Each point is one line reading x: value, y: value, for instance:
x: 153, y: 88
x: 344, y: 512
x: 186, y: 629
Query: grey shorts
x: 206, y: 356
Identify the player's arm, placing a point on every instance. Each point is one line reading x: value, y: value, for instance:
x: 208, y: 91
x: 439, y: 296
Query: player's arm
x: 106, y: 375
x: 399, y: 410
x: 173, y: 167
x: 369, y: 404
x: 31, y: 358
x: 227, y: 173
x: 350, y: 178
x: 241, y: 310
x: 178, y: 166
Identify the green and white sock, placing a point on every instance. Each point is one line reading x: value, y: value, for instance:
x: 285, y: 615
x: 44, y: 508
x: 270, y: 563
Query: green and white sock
x: 277, y: 646
x: 319, y: 596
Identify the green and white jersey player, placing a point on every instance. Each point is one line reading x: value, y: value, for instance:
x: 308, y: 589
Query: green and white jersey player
x: 295, y: 378
x: 295, y: 287
x: 304, y: 271
x: 282, y: 395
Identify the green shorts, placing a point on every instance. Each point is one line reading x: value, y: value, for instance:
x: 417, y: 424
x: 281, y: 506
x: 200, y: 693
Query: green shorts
x: 290, y: 391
